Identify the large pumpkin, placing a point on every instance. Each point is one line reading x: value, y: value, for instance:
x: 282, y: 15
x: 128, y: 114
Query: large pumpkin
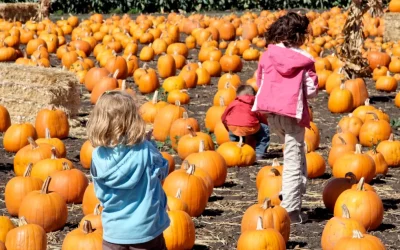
x: 365, y: 206
x: 361, y: 111
x: 31, y: 154
x: 17, y: 188
x: 194, y: 190
x: 274, y: 217
x: 214, y: 113
x: 93, y: 76
x: 46, y: 167
x: 16, y: 136
x: 149, y: 110
x: 390, y: 149
x: 94, y: 218
x: 351, y: 124
x: 315, y: 164
x: 358, y: 90
x: 164, y: 119
x: 38, y: 205
x: 181, y: 232
x: 376, y: 58
x: 266, y: 171
x: 259, y: 238
x: 237, y: 153
x: 55, y: 142
x: 340, y: 100
x: 26, y: 237
x: 54, y: 120
x: 176, y: 203
x: 338, y: 228
x: 189, y: 143
x: 84, y: 238
x: 69, y: 183
x: 179, y: 128
x: 210, y: 161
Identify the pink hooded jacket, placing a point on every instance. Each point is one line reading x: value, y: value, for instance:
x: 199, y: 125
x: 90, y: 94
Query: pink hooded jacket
x: 286, y: 78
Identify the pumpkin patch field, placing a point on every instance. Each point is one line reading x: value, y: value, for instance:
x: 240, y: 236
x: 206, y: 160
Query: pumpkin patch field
x: 184, y: 71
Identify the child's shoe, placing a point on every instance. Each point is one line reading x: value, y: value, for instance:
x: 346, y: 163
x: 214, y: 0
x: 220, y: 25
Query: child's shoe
x: 261, y: 157
x: 297, y: 217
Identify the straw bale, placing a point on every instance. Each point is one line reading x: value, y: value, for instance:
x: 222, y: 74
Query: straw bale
x: 25, y: 90
x: 392, y: 26
x: 19, y: 11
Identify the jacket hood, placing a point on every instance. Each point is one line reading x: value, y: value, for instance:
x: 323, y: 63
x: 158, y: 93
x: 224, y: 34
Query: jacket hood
x: 119, y: 168
x: 249, y: 99
x: 287, y: 60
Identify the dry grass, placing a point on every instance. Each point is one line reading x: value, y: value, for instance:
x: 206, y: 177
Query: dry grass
x: 18, y: 11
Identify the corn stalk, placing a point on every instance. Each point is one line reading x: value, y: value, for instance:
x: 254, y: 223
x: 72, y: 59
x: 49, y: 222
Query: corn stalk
x: 44, y: 9
x: 350, y: 51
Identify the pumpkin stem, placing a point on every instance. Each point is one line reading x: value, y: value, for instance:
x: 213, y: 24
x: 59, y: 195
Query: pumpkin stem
x: 259, y: 223
x: 357, y: 234
x: 123, y: 85
x: 179, y: 193
x: 342, y: 140
x: 28, y: 170
x: 66, y: 166
x: 191, y: 169
x: 185, y: 165
x: 87, y: 227
x: 391, y: 138
x: 47, y: 133
x: 345, y: 212
x: 32, y: 142
x: 360, y: 186
x: 97, y: 209
x: 185, y: 115
x: 45, y: 187
x: 200, y: 66
x: 240, y: 143
x: 54, y: 153
x: 342, y: 86
x: 221, y: 101
x: 353, y: 178
x: 275, y: 162
x: 201, y: 146
x: 128, y: 57
x: 266, y: 204
x: 155, y: 96
x: 366, y: 103
x: 116, y: 73
x: 191, y: 131
x: 358, y: 149
x: 178, y: 103
x: 275, y: 171
x: 22, y: 221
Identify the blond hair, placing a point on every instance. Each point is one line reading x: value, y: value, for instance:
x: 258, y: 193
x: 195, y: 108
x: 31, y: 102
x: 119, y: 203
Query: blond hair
x: 115, y: 120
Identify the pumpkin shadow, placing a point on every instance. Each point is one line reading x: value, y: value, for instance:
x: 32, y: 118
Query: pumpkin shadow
x: 325, y: 176
x: 6, y: 167
x: 295, y: 244
x: 378, y: 181
x: 381, y: 98
x: 200, y: 247
x: 229, y: 184
x: 275, y: 153
x: 212, y: 212
x: 390, y: 204
x: 215, y: 198
x: 318, y: 214
x: 384, y: 227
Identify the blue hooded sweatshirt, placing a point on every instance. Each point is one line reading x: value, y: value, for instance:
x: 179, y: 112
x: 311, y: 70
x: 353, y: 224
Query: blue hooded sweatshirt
x: 127, y: 181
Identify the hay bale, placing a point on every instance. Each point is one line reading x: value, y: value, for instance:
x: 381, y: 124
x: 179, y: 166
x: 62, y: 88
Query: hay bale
x: 392, y: 27
x: 19, y: 11
x: 25, y: 90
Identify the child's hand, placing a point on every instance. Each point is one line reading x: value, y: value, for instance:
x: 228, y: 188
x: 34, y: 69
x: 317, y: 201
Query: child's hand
x: 149, y: 135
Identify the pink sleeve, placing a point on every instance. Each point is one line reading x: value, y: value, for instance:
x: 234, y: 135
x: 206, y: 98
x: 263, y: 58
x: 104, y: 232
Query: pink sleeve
x: 311, y: 83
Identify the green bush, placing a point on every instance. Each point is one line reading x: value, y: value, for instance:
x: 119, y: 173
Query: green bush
x: 149, y: 6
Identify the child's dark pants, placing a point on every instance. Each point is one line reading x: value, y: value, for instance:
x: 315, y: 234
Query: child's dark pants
x: 155, y: 244
x: 261, y: 138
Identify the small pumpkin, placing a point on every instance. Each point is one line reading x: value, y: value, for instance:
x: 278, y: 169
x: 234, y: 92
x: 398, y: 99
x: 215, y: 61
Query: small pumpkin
x: 338, y: 228
x: 221, y: 133
x: 374, y: 131
x: 56, y: 121
x: 178, y: 95
x: 390, y: 149
x: 90, y: 200
x: 84, y: 238
x: 105, y: 84
x: 189, y: 143
x: 93, y: 76
x: 46, y: 167
x: 181, y: 232
x: 381, y: 166
x: 164, y: 119
x: 55, y: 142
x: 315, y: 164
x: 359, y: 241
x: 179, y: 128
x: 270, y: 187
x: 94, y: 218
x: 5, y: 120
x: 173, y: 83
x: 214, y: 113
x: 340, y: 100
x: 37, y: 205
x: 361, y: 111
x: 351, y: 124
x: 18, y: 187
x: 260, y: 238
x: 358, y: 91
x: 228, y: 94
x: 386, y: 83
x: 85, y: 154
x: 171, y: 161
x: 149, y: 110
x: 266, y: 171
x: 16, y: 136
x: 365, y: 206
x: 6, y: 226
x: 237, y: 153
x: 176, y: 203
x: 274, y: 217
x: 26, y: 237
x: 348, y: 137
x: 166, y: 66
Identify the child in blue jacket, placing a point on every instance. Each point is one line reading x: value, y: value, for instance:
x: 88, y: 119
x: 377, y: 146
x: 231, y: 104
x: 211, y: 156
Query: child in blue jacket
x: 127, y: 170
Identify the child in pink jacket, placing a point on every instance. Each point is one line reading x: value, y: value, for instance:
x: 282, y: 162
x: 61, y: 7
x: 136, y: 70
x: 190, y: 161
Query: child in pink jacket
x: 286, y: 78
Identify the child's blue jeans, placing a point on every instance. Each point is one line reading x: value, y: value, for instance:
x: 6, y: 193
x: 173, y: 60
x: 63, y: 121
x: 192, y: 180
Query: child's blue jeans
x: 261, y: 138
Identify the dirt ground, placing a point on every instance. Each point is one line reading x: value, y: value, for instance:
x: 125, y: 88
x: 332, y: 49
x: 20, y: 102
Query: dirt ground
x: 219, y: 226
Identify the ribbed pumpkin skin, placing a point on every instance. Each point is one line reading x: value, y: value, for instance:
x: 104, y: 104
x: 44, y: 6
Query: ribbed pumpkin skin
x: 27, y: 237
x: 261, y: 239
x: 79, y: 239
x: 16, y: 136
x: 28, y: 154
x: 55, y: 120
x: 368, y: 242
x: 181, y: 232
x: 5, y: 226
x: 164, y: 119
